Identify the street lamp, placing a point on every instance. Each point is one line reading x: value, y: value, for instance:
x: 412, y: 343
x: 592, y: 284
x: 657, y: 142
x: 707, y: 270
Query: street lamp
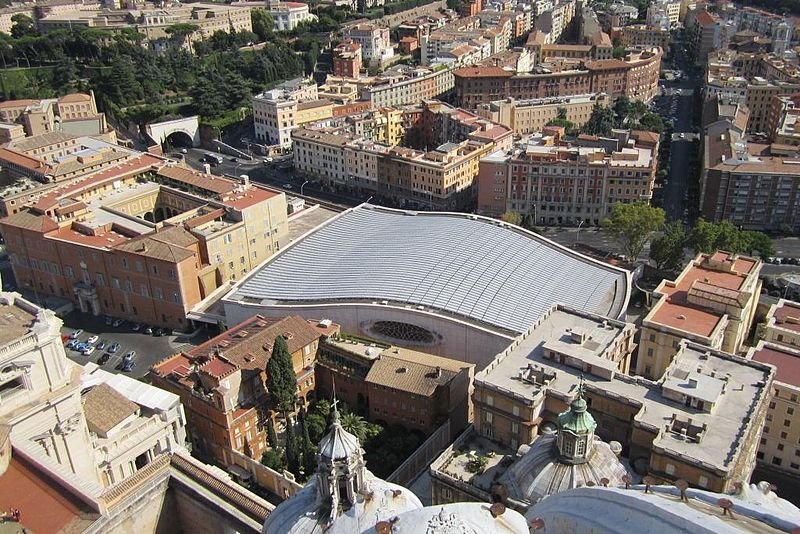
x: 578, y: 233
x: 302, y: 186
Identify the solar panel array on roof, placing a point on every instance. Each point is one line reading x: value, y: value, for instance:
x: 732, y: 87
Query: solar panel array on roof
x: 473, y: 268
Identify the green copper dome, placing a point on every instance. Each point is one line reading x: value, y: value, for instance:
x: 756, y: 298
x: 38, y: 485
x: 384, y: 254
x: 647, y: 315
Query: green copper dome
x: 577, y: 419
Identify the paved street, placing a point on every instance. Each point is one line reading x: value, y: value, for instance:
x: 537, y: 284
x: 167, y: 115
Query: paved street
x: 680, y: 107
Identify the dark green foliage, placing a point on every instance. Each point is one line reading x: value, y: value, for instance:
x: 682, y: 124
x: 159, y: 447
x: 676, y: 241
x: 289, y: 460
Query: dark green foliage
x: 273, y: 458
x: 293, y: 452
x: 272, y: 436
x: 263, y: 23
x: 667, y: 251
x: 123, y: 73
x: 601, y: 121
x: 708, y: 237
x: 281, y: 378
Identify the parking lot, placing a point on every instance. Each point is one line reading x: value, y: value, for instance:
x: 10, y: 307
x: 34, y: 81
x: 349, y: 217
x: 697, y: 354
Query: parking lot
x: 149, y: 349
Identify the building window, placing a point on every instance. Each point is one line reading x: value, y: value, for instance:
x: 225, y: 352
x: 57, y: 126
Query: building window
x: 670, y: 469
x: 776, y: 460
x: 176, y: 298
x: 702, y: 481
x: 124, y: 263
x: 514, y: 428
x: 488, y: 417
x: 515, y: 410
x: 154, y: 269
x: 489, y: 400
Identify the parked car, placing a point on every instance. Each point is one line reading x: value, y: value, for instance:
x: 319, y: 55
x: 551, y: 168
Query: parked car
x: 113, y: 348
x: 92, y: 340
x: 88, y: 350
x: 148, y: 330
x: 76, y: 334
x: 130, y: 355
x: 71, y: 343
x: 128, y: 366
x: 158, y: 332
x: 109, y: 321
x: 136, y: 327
x: 102, y: 344
x: 104, y: 359
x: 80, y: 346
x: 116, y: 323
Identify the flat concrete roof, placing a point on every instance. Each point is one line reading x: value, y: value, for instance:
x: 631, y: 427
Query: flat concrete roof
x: 734, y: 409
x: 478, y: 269
x: 14, y: 322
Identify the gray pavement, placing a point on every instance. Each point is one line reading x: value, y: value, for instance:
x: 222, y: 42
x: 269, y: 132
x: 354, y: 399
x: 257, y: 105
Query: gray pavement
x: 149, y: 349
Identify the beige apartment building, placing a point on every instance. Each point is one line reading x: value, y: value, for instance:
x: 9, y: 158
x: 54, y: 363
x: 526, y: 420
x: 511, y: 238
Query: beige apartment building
x: 643, y: 35
x: 690, y: 424
x: 779, y: 447
x: 153, y: 23
x: 529, y: 116
x: 438, y: 172
x: 408, y: 87
x: 276, y: 113
x: 565, y: 183
x: 74, y: 114
x: 712, y: 302
x: 145, y: 241
x: 759, y: 98
x: 782, y: 324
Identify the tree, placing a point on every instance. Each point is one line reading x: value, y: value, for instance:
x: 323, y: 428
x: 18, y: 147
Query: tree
x: 309, y: 451
x: 633, y: 224
x: 263, y: 23
x: 761, y: 243
x: 22, y: 26
x: 356, y: 425
x: 652, y: 122
x: 293, y: 452
x: 273, y: 458
x: 272, y: 436
x: 600, y: 122
x: 618, y: 52
x: 667, y: 251
x: 281, y: 378
x: 512, y: 217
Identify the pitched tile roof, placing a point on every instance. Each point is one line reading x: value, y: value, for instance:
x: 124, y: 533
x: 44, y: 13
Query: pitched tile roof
x: 406, y: 375
x: 150, y: 247
x: 249, y: 344
x: 105, y: 408
x: 30, y: 221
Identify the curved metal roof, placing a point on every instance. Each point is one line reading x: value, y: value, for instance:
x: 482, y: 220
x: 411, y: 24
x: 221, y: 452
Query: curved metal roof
x: 452, y: 263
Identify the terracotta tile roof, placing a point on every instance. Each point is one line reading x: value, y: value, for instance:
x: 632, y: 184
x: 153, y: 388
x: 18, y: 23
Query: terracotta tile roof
x: 103, y: 240
x: 24, y: 161
x: 74, y: 97
x: 105, y: 408
x: 482, y: 72
x: 704, y: 18
x: 208, y: 182
x: 218, y: 367
x: 28, y: 144
x: 249, y: 344
x: 643, y: 136
x: 17, y: 103
x: 786, y: 360
x: 150, y: 247
x: 44, y: 505
x: 606, y: 64
x: 174, y: 235
x: 787, y: 316
x: 409, y: 376
x: 244, y: 199
x: 30, y: 221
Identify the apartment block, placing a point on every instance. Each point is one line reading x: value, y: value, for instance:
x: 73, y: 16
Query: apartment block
x: 635, y: 77
x: 376, y: 45
x: 143, y: 241
x: 529, y: 116
x: 642, y: 35
x: 71, y: 114
x: 779, y: 447
x: 404, y: 85
x: 759, y: 98
x: 288, y: 15
x: 544, y: 52
x: 438, y: 172
x: 693, y: 424
x: 347, y: 60
x: 223, y: 383
x: 277, y: 112
x: 396, y: 385
x: 751, y: 185
x: 564, y: 183
x: 153, y: 23
x: 712, y: 302
x: 664, y: 12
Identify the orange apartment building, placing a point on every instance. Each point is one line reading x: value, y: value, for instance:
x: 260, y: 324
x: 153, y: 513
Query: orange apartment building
x: 712, y: 302
x: 120, y: 243
x: 395, y: 385
x: 223, y: 382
